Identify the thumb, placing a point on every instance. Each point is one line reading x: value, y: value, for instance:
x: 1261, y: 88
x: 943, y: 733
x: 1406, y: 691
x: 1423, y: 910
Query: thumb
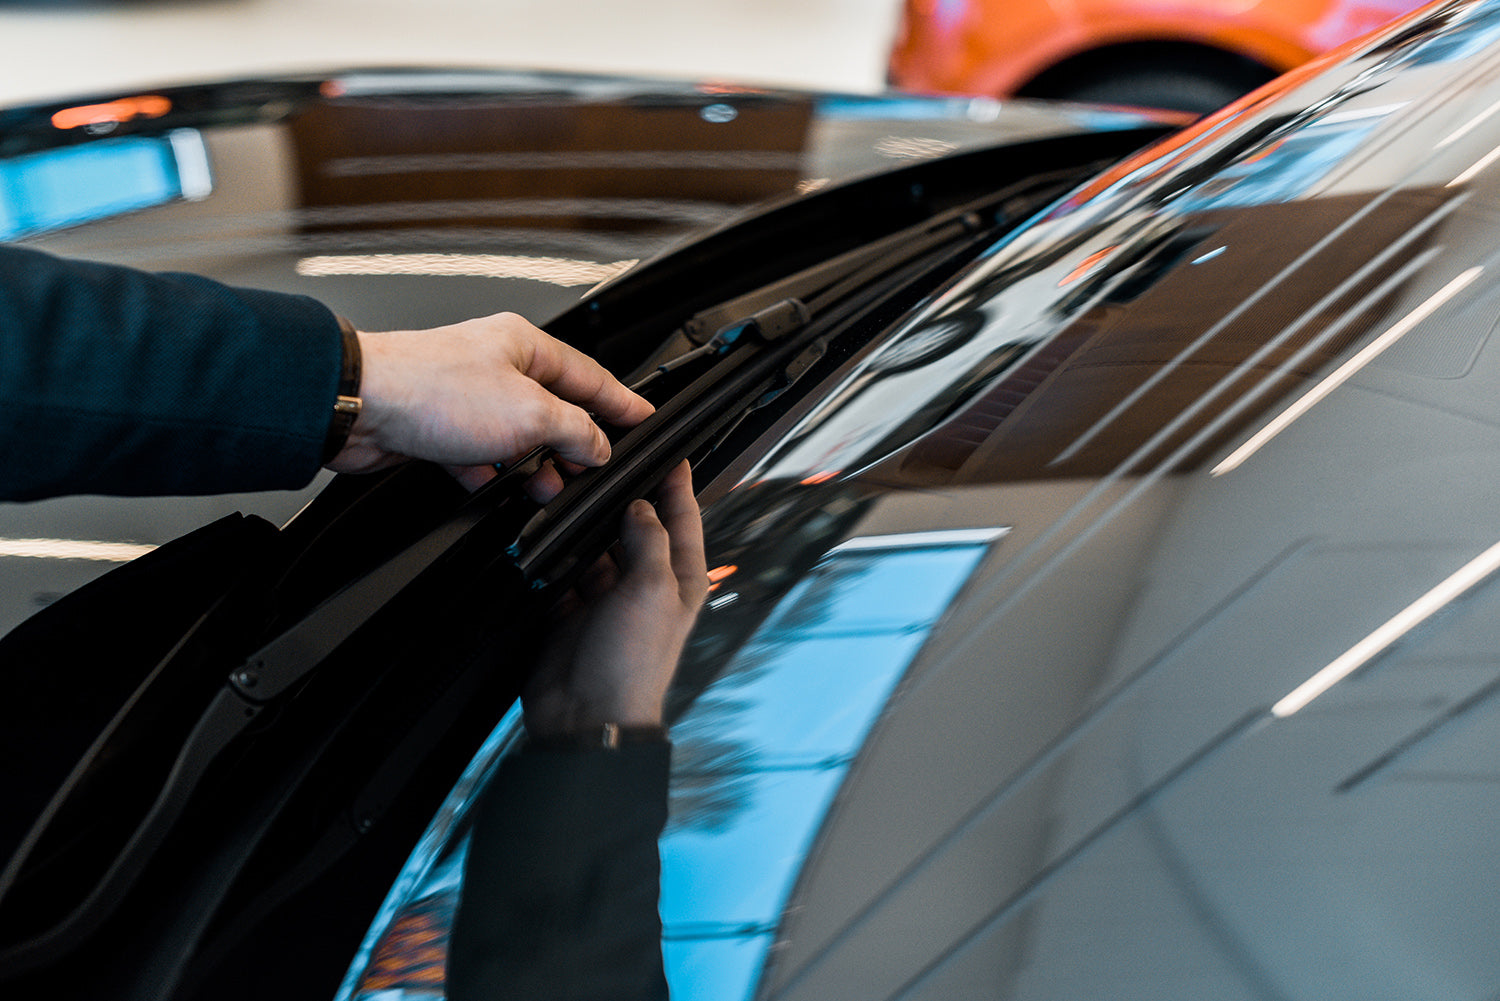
x: 644, y: 544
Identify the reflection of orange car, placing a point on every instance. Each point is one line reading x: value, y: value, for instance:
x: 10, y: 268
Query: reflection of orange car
x: 1189, y: 54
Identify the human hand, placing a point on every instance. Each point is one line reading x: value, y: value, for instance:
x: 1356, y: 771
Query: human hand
x: 479, y: 392
x: 615, y: 643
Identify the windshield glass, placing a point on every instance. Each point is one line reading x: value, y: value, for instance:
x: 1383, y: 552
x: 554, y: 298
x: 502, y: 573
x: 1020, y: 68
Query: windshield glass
x: 1216, y: 716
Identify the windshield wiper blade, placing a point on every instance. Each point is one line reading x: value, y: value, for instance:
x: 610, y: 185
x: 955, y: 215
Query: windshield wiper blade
x: 582, y: 521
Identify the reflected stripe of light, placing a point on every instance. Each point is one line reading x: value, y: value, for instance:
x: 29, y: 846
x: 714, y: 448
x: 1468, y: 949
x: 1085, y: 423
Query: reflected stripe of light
x: 1469, y: 126
x: 1344, y: 372
x: 1361, y: 114
x: 1413, y: 615
x: 921, y: 540
x: 73, y: 549
x: 1345, y: 287
x: 913, y: 147
x: 554, y: 270
x: 625, y: 159
x: 1480, y: 165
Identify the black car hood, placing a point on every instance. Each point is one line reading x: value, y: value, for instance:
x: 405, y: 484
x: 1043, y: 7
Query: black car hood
x: 413, y: 199
x: 310, y: 184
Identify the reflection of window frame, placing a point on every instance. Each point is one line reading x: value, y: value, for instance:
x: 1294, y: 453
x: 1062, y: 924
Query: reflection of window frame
x: 712, y: 946
x: 124, y: 175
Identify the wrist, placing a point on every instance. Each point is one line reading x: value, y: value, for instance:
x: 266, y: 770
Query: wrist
x: 364, y: 449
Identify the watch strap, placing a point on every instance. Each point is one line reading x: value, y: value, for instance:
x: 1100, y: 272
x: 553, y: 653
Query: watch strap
x: 347, y: 404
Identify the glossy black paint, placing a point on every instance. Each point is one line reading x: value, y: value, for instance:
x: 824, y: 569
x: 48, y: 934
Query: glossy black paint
x: 1074, y: 519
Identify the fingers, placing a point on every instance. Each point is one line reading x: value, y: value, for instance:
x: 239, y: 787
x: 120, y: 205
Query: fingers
x: 666, y: 542
x: 580, y: 392
x: 579, y: 379
x: 678, y: 510
x: 645, y: 546
x: 544, y: 485
x: 570, y: 430
x: 474, y: 392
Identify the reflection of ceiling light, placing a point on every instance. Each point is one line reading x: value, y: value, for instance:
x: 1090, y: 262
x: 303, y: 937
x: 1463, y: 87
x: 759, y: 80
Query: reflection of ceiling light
x: 603, y: 159
x: 943, y: 537
x: 810, y: 184
x: 1413, y: 615
x: 913, y: 147
x: 1477, y: 166
x: 73, y: 549
x: 1468, y: 126
x: 555, y: 270
x: 1344, y: 372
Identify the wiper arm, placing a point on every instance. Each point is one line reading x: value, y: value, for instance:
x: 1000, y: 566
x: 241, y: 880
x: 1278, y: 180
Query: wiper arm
x: 768, y: 325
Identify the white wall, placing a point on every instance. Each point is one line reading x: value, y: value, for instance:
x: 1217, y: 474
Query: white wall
x: 53, y: 50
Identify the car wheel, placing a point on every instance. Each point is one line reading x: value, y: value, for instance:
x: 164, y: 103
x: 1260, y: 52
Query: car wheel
x: 1179, y: 78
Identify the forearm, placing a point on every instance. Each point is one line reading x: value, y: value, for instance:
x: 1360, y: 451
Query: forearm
x: 560, y: 898
x: 117, y: 381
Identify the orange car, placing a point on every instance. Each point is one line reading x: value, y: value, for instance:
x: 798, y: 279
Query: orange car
x: 1195, y: 55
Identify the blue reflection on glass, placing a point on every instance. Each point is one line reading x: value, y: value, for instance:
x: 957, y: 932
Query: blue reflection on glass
x: 1469, y: 32
x: 795, y: 706
x: 714, y: 968
x: 914, y: 108
x: 1288, y: 168
x: 77, y: 184
x: 433, y: 873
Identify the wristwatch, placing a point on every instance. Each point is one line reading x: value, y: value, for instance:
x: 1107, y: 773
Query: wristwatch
x: 347, y: 404
x: 599, y: 737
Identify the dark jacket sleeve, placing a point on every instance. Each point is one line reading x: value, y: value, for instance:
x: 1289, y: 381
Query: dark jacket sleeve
x: 563, y: 880
x: 117, y: 381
